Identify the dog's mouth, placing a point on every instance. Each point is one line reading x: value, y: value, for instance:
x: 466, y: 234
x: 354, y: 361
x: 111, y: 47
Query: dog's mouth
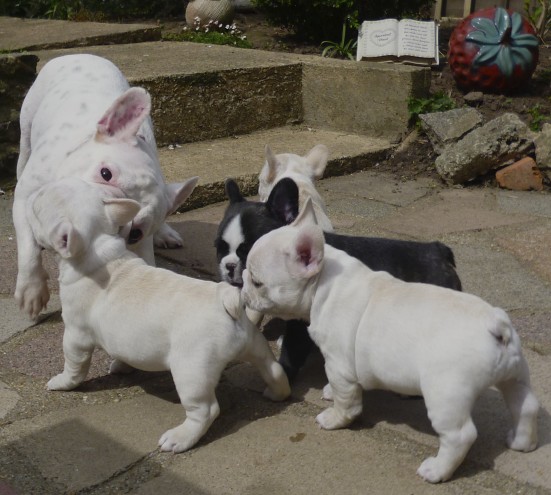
x: 134, y: 236
x: 239, y: 285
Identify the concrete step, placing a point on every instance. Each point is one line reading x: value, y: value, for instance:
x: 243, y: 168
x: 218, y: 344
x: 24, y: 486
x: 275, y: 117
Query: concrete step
x: 18, y: 35
x: 242, y: 157
x: 224, y: 104
x: 203, y: 92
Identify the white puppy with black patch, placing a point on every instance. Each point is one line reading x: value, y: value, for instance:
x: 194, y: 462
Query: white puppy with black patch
x: 80, y: 118
x: 304, y: 170
x: 145, y: 317
x: 377, y: 332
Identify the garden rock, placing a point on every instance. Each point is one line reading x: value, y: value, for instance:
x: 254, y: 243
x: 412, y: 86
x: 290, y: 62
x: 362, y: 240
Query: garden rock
x: 522, y: 175
x: 474, y: 98
x: 444, y: 128
x: 543, y: 150
x: 497, y: 143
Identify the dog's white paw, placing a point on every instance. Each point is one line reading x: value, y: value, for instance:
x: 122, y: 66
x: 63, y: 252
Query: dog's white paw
x: 118, y: 367
x: 431, y: 470
x: 175, y: 440
x: 61, y: 382
x: 330, y: 419
x: 167, y: 237
x: 32, y: 296
x: 327, y: 393
x: 522, y: 443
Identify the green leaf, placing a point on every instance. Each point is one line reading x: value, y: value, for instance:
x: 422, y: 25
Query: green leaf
x: 482, y: 38
x: 516, y: 22
x: 502, y: 21
x: 486, y: 26
x: 522, y: 56
x: 487, y: 53
x: 504, y: 61
x: 525, y: 40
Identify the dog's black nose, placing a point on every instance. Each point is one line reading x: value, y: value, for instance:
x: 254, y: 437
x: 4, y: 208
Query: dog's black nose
x: 134, y: 236
x: 231, y: 268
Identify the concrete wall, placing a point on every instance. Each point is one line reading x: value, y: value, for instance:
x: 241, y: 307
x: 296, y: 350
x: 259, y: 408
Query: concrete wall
x: 361, y: 97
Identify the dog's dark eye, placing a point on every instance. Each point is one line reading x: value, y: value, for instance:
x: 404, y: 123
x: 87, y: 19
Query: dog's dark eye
x: 222, y: 248
x: 106, y: 174
x: 256, y: 283
x: 242, y: 252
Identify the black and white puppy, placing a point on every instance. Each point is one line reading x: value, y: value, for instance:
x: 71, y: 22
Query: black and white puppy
x: 246, y: 221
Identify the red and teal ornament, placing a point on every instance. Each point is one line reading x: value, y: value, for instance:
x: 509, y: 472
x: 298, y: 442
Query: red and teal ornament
x: 493, y: 50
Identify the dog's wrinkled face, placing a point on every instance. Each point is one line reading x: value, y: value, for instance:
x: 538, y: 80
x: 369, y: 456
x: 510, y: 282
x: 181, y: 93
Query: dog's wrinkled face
x: 246, y: 221
x: 282, y: 271
x: 118, y: 155
x: 59, y: 221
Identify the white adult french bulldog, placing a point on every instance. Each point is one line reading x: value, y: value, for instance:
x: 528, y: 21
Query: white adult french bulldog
x: 377, y: 332
x: 81, y: 119
x: 144, y: 317
x: 304, y: 170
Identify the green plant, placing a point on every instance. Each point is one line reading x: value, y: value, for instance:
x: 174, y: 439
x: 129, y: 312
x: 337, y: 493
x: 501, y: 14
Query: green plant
x: 539, y: 15
x: 438, y: 102
x: 538, y: 118
x: 213, y: 33
x: 340, y: 48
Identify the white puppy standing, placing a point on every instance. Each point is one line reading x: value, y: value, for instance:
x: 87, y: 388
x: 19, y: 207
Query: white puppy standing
x: 81, y: 119
x: 149, y: 318
x: 377, y: 332
x: 304, y: 170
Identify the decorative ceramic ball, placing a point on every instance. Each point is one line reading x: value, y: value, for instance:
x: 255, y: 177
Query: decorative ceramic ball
x: 200, y: 12
x: 493, y: 50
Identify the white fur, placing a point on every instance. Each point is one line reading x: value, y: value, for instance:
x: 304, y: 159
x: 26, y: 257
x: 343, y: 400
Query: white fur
x: 230, y: 266
x: 79, y: 118
x: 144, y: 317
x: 377, y: 332
x: 304, y: 170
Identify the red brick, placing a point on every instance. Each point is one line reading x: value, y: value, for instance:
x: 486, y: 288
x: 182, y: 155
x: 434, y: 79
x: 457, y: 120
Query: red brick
x: 523, y: 175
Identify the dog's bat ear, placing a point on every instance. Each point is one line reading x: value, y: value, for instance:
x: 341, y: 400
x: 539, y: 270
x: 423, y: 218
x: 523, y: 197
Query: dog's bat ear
x: 178, y: 193
x: 125, y: 116
x: 307, y: 253
x: 233, y: 192
x: 283, y: 200
x: 271, y: 160
x: 317, y: 159
x: 307, y: 216
x: 120, y: 211
x: 65, y: 240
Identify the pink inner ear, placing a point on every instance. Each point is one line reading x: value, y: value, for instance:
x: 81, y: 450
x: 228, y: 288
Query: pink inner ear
x: 304, y: 253
x: 113, y: 123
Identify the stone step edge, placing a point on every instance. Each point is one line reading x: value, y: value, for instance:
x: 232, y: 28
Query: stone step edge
x: 214, y: 191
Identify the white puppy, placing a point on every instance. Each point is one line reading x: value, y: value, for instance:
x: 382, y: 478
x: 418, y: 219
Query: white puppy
x: 377, y: 332
x: 145, y: 317
x: 81, y: 119
x: 304, y: 170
